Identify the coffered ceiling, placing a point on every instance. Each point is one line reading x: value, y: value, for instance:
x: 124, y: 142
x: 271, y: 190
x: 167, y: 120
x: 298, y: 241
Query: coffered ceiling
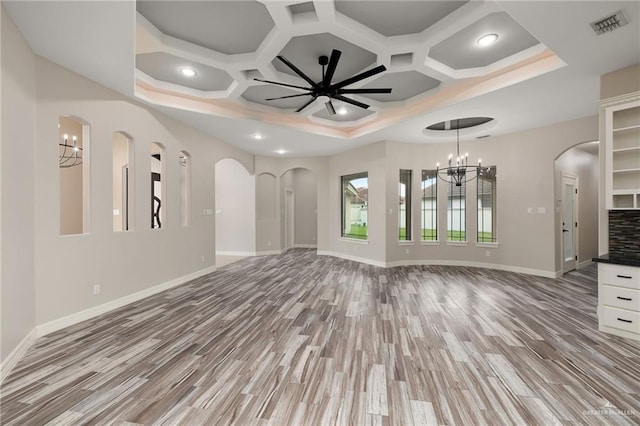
x: 426, y: 47
x: 543, y: 68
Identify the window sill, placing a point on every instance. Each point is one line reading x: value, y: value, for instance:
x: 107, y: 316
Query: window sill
x: 354, y: 240
x: 405, y: 243
x: 488, y: 245
x: 430, y: 243
x: 458, y: 243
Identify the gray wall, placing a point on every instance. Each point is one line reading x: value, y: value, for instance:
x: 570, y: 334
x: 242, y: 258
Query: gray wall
x: 235, y: 208
x: 17, y: 286
x: 525, y: 163
x: 306, y: 198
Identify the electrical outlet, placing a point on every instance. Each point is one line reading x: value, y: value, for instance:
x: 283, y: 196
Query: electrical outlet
x: 355, y: 248
x: 406, y: 251
x: 268, y: 243
x: 314, y: 238
x: 96, y: 289
x: 202, y: 259
x: 487, y: 253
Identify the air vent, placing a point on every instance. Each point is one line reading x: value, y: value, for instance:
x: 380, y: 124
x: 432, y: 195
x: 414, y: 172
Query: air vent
x: 609, y: 23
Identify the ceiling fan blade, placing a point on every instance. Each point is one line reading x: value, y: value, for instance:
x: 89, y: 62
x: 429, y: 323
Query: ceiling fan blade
x: 341, y: 91
x: 331, y: 68
x: 296, y: 70
x: 361, y: 76
x: 281, y: 84
x: 290, y: 96
x: 307, y: 104
x: 330, y: 108
x: 350, y: 101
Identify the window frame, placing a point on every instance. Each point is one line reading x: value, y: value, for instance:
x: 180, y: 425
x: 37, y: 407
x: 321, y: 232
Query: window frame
x: 433, y: 175
x: 408, y: 203
x: 482, y: 177
x: 462, y: 220
x: 351, y: 177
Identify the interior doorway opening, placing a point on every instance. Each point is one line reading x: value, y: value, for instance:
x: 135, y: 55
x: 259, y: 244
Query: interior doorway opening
x: 576, y: 209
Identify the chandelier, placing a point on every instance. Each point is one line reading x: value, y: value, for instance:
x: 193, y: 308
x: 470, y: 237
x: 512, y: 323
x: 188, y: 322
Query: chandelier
x: 70, y: 154
x: 460, y: 171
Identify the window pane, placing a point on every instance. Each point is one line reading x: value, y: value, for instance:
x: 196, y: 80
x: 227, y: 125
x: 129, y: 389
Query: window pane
x: 429, y: 205
x: 456, y: 213
x: 355, y: 201
x: 487, y: 206
x: 404, y: 209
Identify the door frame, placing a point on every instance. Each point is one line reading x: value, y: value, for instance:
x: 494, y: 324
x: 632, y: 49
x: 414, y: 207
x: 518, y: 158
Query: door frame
x: 573, y: 264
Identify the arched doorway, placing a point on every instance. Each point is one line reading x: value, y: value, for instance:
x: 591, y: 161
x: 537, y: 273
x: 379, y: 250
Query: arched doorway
x: 299, y: 218
x: 577, y: 188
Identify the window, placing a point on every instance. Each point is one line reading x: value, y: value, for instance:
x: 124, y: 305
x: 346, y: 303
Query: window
x: 157, y: 187
x: 123, y: 182
x: 404, y: 209
x: 429, y: 205
x: 456, y: 213
x: 487, y: 205
x: 184, y: 161
x: 73, y: 162
x: 355, y: 201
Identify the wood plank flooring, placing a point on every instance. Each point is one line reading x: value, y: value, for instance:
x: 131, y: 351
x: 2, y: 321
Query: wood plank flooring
x: 300, y: 339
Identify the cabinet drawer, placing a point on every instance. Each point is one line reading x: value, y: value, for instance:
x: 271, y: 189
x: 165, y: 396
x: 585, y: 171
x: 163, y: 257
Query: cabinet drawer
x: 620, y: 318
x: 619, y: 275
x: 620, y: 297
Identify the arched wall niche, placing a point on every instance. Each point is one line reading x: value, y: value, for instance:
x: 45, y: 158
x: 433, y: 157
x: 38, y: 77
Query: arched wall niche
x: 74, y: 170
x: 123, y: 172
x: 157, y: 203
x: 184, y: 163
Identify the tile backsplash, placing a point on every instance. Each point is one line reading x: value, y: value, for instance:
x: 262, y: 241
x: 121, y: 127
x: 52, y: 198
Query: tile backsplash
x: 624, y: 233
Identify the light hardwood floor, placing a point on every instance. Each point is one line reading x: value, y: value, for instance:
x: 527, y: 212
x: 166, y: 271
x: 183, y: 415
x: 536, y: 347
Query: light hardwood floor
x: 304, y: 339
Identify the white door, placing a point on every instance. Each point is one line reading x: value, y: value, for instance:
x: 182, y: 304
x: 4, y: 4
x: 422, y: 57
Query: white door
x: 289, y: 220
x: 569, y: 222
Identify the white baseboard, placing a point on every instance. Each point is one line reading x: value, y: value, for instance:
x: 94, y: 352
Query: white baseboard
x: 311, y: 246
x: 436, y: 262
x: 60, y: 323
x: 267, y: 252
x: 583, y: 264
x: 354, y: 258
x: 16, y: 354
x: 251, y: 253
x: 235, y: 253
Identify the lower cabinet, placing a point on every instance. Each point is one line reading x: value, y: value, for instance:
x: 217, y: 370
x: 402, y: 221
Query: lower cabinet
x: 619, y: 300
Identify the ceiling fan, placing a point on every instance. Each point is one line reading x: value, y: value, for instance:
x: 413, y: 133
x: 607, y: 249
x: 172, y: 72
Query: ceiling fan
x: 324, y: 87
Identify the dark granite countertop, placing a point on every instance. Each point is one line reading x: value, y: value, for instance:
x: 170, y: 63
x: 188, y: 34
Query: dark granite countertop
x: 618, y: 260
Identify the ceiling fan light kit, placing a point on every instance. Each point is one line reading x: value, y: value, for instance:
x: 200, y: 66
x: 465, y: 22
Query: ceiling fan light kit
x: 324, y: 89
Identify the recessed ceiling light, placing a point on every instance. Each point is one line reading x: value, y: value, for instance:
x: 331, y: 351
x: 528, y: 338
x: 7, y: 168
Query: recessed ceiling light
x: 342, y: 111
x: 258, y: 136
x: 487, y: 40
x: 281, y: 151
x: 188, y: 72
